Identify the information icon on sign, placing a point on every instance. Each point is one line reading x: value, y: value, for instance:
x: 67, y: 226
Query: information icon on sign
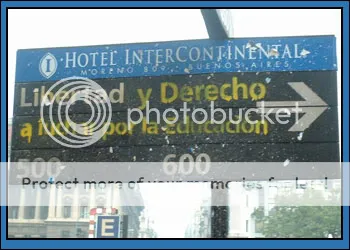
x: 48, y: 65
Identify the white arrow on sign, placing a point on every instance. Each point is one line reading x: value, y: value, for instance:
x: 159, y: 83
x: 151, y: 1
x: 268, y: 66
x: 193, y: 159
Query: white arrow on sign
x: 318, y: 106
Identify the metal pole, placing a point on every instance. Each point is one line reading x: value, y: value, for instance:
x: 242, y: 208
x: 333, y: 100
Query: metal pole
x: 220, y: 214
x: 219, y: 27
x: 218, y: 23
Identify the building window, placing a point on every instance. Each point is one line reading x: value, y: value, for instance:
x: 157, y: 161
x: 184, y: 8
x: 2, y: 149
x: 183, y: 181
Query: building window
x: 81, y: 233
x: 67, y: 211
x: 44, y: 211
x: 30, y: 212
x: 84, y: 212
x: 13, y: 212
x: 247, y: 226
x: 261, y: 197
x: 65, y: 234
x: 101, y: 187
x: 259, y: 225
x: 101, y: 202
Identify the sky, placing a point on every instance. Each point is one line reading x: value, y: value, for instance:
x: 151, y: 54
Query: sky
x: 31, y: 28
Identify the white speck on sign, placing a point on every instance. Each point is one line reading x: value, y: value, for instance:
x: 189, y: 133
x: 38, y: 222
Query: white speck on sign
x: 167, y: 140
x: 304, y: 52
x: 110, y: 149
x: 300, y: 136
x: 267, y: 79
x: 286, y: 163
x: 150, y: 149
x: 47, y: 102
x: 273, y: 52
x: 186, y: 70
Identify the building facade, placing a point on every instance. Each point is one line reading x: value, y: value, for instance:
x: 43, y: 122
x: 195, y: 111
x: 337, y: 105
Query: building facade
x: 67, y: 215
x: 146, y: 226
x: 200, y: 224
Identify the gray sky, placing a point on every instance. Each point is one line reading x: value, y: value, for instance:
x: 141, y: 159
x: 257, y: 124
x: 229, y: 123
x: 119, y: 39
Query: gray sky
x: 59, y: 28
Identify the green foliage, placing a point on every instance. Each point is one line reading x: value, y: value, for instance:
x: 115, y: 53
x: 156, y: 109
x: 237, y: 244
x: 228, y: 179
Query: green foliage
x: 300, y: 221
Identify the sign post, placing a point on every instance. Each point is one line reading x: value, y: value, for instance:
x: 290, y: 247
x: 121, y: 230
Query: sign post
x: 218, y: 22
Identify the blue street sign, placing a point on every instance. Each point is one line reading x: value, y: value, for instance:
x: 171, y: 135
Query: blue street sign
x: 107, y: 227
x: 314, y: 53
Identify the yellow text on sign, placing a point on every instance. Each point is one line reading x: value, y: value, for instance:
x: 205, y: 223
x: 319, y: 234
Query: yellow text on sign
x: 233, y: 91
